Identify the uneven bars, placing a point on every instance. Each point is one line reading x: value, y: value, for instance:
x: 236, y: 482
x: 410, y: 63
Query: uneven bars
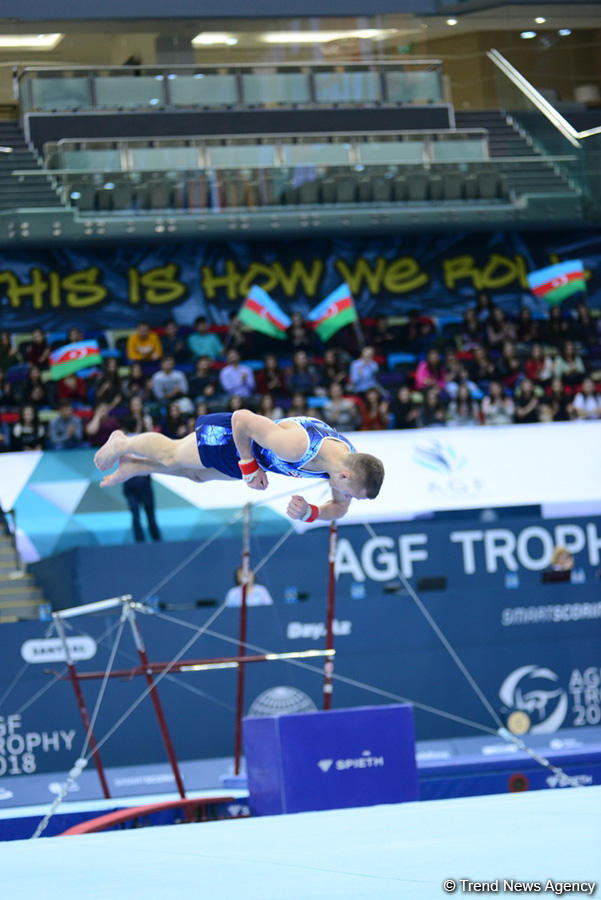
x: 85, y: 608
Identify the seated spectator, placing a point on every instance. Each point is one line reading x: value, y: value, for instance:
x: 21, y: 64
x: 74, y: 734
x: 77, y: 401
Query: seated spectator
x: 300, y: 337
x: 65, y: 431
x: 173, y: 342
x: 108, y: 387
x: 482, y: 369
x: 236, y: 378
x: 333, y: 370
x: 9, y: 355
x: 72, y: 388
x: 526, y: 403
x: 341, y: 412
x: 497, y: 408
x: 138, y: 384
x: 528, y: 330
x: 256, y: 594
x: 203, y: 384
x: 556, y: 329
x: 483, y: 307
x: 498, y: 329
x: 363, y: 372
x: 4, y: 437
x: 33, y: 390
x: 584, y: 329
x: 203, y: 342
x: 538, y: 367
x: 559, y: 402
x: 432, y: 411
x: 74, y: 335
x: 568, y: 365
x: 384, y: 338
x: 39, y: 350
x: 270, y: 379
x: 509, y: 366
x: 587, y: 404
x: 28, y: 433
x: 168, y: 383
x: 303, y: 376
x: 455, y: 374
x: 174, y: 425
x: 463, y: 409
x: 268, y: 408
x: 418, y: 334
x: 137, y: 419
x: 144, y: 344
x: 101, y: 425
x: 375, y: 415
x: 405, y: 411
x: 6, y: 392
x: 298, y: 405
x: 472, y: 332
x: 430, y: 372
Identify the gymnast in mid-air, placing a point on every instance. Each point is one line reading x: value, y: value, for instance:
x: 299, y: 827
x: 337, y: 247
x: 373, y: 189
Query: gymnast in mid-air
x: 244, y: 445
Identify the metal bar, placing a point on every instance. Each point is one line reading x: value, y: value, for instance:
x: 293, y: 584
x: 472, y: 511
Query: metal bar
x: 98, y: 606
x: 198, y: 665
x: 328, y: 667
x: 83, y: 709
x: 242, y: 639
x: 154, y: 696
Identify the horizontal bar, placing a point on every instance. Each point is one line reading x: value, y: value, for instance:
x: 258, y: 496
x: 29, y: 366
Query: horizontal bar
x: 236, y: 67
x: 198, y: 665
x: 98, y: 606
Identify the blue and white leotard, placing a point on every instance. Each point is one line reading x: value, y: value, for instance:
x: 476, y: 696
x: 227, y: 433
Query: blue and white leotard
x: 217, y: 449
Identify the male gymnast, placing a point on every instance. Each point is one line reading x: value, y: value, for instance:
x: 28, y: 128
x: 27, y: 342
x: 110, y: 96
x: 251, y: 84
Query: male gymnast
x: 243, y: 445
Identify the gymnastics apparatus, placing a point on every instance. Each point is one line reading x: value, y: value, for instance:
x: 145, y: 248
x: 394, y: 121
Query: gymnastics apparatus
x: 131, y: 610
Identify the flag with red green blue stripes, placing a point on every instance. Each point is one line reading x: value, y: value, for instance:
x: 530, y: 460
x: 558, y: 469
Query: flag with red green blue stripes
x: 333, y: 313
x: 260, y: 313
x: 554, y: 283
x: 73, y: 357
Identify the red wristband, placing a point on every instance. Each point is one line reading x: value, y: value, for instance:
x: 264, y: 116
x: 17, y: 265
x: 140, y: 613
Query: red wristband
x: 248, y: 467
x: 311, y: 514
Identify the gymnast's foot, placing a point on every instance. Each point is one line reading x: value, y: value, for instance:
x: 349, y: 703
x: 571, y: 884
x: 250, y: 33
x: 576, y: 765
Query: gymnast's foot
x: 127, y: 468
x: 110, y: 452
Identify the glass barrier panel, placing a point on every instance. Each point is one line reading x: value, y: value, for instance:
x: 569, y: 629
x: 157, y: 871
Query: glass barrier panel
x: 283, y: 88
x: 347, y: 87
x: 244, y: 155
x: 458, y: 150
x: 203, y: 90
x: 60, y: 93
x: 316, y: 154
x: 419, y: 86
x: 90, y: 159
x: 145, y: 158
x: 129, y: 91
x: 390, y: 152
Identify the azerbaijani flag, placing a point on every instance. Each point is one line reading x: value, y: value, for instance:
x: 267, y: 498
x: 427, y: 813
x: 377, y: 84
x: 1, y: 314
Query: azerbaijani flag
x: 73, y: 357
x: 333, y: 313
x: 555, y: 283
x: 260, y: 313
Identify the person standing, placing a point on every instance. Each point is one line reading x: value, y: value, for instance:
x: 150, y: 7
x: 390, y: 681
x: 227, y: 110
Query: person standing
x: 139, y: 494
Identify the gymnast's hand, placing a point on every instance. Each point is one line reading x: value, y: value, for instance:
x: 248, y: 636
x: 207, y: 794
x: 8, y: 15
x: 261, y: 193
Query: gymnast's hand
x: 259, y: 482
x: 297, y: 507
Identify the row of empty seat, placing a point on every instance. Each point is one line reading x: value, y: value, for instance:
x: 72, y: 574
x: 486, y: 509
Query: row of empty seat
x: 193, y: 191
x: 122, y: 88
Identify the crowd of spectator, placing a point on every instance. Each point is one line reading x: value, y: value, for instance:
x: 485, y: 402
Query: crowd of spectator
x: 487, y: 369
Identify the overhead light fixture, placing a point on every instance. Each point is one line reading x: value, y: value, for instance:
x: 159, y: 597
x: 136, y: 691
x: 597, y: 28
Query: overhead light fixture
x: 527, y: 35
x: 564, y: 32
x: 30, y: 41
x: 452, y: 21
x: 540, y: 20
x: 214, y: 39
x: 325, y: 37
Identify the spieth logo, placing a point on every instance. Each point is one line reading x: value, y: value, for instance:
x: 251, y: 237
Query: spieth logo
x: 534, y: 690
x: 366, y: 761
x: 441, y: 458
x: 562, y: 780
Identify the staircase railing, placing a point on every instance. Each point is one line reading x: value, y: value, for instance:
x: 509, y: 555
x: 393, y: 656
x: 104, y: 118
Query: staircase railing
x: 549, y: 131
